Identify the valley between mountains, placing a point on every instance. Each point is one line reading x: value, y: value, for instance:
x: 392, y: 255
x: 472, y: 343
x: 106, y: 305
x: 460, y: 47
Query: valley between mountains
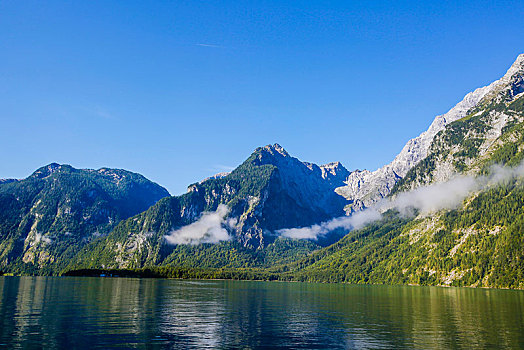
x: 448, y: 210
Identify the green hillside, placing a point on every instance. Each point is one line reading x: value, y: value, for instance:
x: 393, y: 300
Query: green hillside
x: 268, y: 192
x: 47, y: 217
x: 479, y: 244
x: 62, y: 219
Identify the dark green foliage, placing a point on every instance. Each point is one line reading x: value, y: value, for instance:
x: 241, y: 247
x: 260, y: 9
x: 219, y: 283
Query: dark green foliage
x: 229, y: 254
x: 268, y: 192
x: 468, y: 135
x: 517, y: 105
x: 421, y: 172
x: 509, y: 153
x: 469, y: 148
x: 180, y: 273
x: 492, y: 255
x: 46, y: 218
x: 284, y: 251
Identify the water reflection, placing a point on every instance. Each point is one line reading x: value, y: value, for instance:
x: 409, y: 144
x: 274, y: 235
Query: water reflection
x: 37, y: 312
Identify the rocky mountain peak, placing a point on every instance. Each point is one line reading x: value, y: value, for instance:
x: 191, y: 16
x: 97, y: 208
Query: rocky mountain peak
x: 515, y: 76
x: 277, y: 149
x: 334, y: 170
x: 517, y: 66
x: 332, y: 167
x: 217, y: 176
x: 47, y: 170
x: 333, y: 173
x: 273, y: 154
x: 365, y: 188
x: 509, y: 86
x: 274, y: 149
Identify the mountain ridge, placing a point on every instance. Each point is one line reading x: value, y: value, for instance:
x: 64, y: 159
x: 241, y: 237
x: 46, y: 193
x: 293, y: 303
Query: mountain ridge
x: 58, y: 209
x: 269, y: 191
x: 364, y: 187
x: 234, y: 220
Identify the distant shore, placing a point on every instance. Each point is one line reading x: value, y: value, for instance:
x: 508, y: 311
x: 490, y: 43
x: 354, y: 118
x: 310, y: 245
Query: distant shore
x: 225, y: 274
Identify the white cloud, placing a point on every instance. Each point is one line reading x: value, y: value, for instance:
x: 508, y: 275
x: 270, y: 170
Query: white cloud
x: 208, y: 229
x: 426, y: 199
x: 355, y: 221
x: 41, y: 238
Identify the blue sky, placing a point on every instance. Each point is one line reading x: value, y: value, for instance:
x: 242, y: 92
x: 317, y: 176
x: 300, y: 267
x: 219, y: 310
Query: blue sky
x: 181, y: 90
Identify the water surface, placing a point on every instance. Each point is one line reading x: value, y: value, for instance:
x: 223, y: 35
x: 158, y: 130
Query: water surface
x: 68, y: 312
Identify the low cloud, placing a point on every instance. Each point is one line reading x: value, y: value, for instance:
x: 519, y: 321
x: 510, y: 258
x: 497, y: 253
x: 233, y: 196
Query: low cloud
x: 355, y: 221
x: 41, y: 238
x: 449, y: 194
x: 210, y: 228
x: 424, y: 200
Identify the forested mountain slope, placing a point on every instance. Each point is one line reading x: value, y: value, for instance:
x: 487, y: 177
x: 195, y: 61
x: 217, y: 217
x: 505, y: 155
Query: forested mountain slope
x: 61, y: 218
x: 47, y: 217
x: 229, y: 220
x: 480, y: 243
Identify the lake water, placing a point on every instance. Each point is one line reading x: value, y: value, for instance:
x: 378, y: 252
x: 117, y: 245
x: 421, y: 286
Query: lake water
x: 67, y: 312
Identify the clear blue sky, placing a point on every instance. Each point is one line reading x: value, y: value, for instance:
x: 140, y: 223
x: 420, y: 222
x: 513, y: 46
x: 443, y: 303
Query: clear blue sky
x: 181, y: 90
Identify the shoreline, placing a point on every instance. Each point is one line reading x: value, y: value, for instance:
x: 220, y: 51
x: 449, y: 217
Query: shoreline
x: 205, y: 275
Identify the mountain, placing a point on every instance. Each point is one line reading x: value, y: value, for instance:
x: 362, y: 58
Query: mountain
x: 240, y: 212
x: 480, y: 243
x: 47, y: 217
x: 229, y: 225
x: 363, y: 188
x: 492, y: 132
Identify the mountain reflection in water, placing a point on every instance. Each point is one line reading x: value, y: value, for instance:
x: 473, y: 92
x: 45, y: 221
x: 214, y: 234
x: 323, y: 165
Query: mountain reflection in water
x: 54, y: 312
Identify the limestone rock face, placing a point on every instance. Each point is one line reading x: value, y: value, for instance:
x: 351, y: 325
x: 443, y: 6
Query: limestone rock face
x: 490, y: 133
x: 364, y: 187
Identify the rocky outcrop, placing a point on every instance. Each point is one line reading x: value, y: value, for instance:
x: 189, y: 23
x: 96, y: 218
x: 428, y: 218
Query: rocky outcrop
x: 492, y: 132
x: 364, y: 187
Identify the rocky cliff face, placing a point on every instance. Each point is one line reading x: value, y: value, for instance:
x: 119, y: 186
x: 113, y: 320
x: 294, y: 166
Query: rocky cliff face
x: 312, y: 186
x: 492, y: 132
x: 364, y: 188
x: 477, y: 241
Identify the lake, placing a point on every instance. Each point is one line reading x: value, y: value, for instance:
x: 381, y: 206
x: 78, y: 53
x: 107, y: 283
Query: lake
x: 68, y: 312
